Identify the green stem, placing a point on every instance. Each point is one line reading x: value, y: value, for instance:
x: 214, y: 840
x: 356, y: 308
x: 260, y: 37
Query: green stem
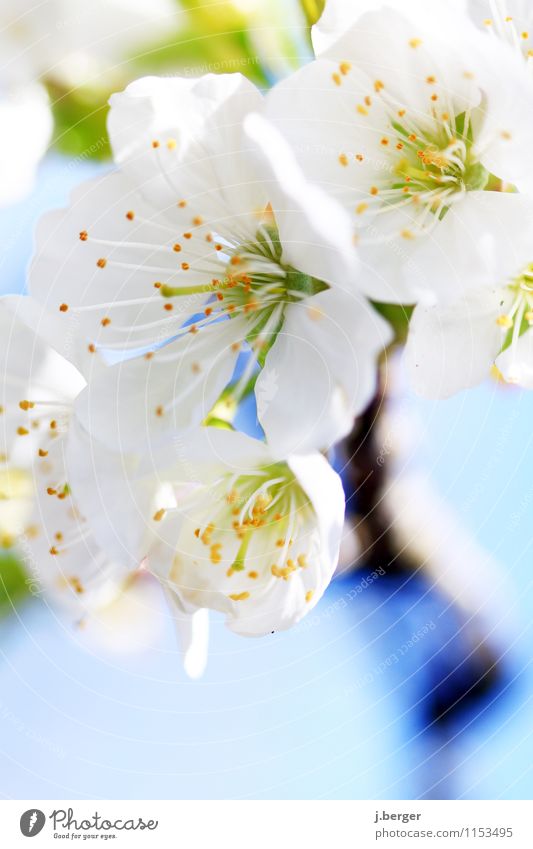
x: 174, y: 291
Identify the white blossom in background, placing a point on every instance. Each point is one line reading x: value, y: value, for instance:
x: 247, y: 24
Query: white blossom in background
x: 486, y: 329
x: 25, y: 118
x: 28, y: 369
x: 71, y: 42
x: 200, y: 242
x: 26, y: 124
x: 39, y: 514
x: 231, y: 527
x: 38, y: 390
x: 407, y: 121
x: 74, y: 42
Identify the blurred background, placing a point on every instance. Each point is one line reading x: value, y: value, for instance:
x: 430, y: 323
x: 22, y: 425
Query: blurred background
x: 412, y: 678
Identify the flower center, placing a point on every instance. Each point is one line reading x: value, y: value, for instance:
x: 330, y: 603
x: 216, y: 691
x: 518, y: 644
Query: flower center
x: 431, y: 169
x: 256, y: 523
x: 419, y: 159
x: 439, y: 163
x: 253, y: 282
x: 253, y: 278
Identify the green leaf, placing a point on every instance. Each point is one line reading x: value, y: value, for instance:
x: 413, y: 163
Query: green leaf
x: 13, y: 583
x: 300, y: 282
x: 80, y: 116
x: 398, y: 316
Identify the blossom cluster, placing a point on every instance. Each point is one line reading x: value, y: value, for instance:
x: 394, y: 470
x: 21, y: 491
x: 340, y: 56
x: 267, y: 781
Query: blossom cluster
x: 243, y: 248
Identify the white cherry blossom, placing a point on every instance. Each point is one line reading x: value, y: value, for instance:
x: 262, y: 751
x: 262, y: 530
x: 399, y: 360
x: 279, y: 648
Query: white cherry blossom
x: 402, y: 120
x: 197, y: 249
x: 231, y: 527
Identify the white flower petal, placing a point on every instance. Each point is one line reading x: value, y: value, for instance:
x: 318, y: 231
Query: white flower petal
x: 315, y: 232
x: 35, y: 376
x: 484, y: 241
x: 208, y: 452
x: 193, y: 635
x: 381, y: 41
x: 320, y: 120
x: 201, y: 119
x: 324, y: 488
x: 113, y: 495
x: 138, y: 400
x: 320, y: 372
x: 131, y: 622
x: 96, y: 264
x: 506, y: 136
x: 45, y: 330
x: 59, y: 548
x: 453, y: 348
x: 504, y: 130
x: 339, y: 15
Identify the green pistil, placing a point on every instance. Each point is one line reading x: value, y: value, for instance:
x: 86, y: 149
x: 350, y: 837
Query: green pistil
x: 239, y: 563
